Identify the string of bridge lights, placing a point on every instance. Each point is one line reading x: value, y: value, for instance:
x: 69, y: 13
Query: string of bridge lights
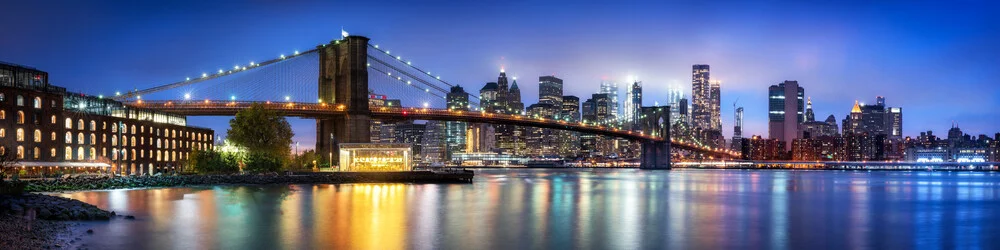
x: 410, y: 64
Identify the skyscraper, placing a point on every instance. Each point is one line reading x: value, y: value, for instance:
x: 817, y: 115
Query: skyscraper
x: 611, y: 89
x: 785, y: 111
x: 569, y: 141
x: 674, y: 96
x: 514, y: 103
x: 810, y: 116
x: 895, y: 120
x: 700, y: 97
x: 737, y: 129
x: 455, y: 131
x: 550, y: 89
x: 502, y: 91
x: 715, y: 109
x: 633, y: 105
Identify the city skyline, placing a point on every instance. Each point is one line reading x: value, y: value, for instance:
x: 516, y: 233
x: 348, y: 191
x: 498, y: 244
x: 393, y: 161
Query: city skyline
x: 849, y: 60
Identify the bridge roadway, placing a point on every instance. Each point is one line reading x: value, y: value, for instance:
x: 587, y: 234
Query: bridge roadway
x: 320, y: 110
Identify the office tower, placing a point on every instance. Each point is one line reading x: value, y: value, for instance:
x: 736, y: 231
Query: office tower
x: 810, y: 116
x: 684, y: 114
x: 569, y: 141
x: 715, y: 111
x: 435, y: 144
x: 700, y: 97
x: 514, y: 104
x: 737, y: 129
x: 611, y: 88
x: 502, y: 92
x: 895, y: 123
x: 488, y: 98
x: 633, y: 105
x: 674, y: 96
x: 785, y: 112
x: 542, y: 141
x: 455, y: 131
x: 550, y: 89
x: 869, y: 119
x: 480, y: 138
x: 409, y: 132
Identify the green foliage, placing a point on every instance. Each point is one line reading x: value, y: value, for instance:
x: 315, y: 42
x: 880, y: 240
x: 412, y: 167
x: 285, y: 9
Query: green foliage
x: 261, y: 131
x: 304, y: 161
x: 259, y: 162
x: 213, y: 162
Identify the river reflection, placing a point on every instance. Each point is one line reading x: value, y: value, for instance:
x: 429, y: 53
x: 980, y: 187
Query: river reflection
x: 578, y: 209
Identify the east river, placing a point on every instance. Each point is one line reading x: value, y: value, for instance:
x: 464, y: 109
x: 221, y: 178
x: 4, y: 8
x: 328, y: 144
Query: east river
x: 570, y: 209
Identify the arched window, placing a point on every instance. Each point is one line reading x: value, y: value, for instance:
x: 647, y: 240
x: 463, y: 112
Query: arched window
x: 133, y: 154
x: 38, y: 135
x: 20, y: 134
x: 133, y: 141
x: 69, y: 123
x: 104, y: 125
x: 38, y: 103
x: 133, y: 130
x: 93, y: 125
x: 53, y: 136
x: 79, y: 153
x: 79, y: 138
x: 3, y: 114
x: 3, y: 133
x: 79, y: 124
x: 157, y: 143
x: 104, y: 138
x: 20, y: 117
x: 36, y: 153
x: 125, y: 154
x: 2, y: 97
x: 124, y: 140
x: 3, y: 150
x: 69, y: 137
x: 52, y: 152
x: 93, y: 139
x: 69, y: 153
x: 53, y: 119
x: 114, y: 140
x: 20, y: 100
x: 93, y: 153
x: 20, y: 152
x: 158, y: 157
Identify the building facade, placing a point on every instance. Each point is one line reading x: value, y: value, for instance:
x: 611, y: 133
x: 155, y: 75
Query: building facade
x: 45, y: 127
x: 785, y: 111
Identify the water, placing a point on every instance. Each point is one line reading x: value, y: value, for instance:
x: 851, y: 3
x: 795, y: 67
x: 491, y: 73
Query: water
x: 578, y: 209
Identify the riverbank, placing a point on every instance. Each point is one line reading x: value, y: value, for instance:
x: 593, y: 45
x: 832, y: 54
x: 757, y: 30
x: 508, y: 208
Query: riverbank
x: 97, y: 183
x: 37, y: 221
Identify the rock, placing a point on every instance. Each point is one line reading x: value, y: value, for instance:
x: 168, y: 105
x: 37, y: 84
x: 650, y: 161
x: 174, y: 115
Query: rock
x: 90, y: 231
x: 129, y: 217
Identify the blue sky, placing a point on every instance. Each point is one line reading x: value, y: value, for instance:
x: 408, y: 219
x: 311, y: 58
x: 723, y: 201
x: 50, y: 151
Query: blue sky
x: 940, y: 61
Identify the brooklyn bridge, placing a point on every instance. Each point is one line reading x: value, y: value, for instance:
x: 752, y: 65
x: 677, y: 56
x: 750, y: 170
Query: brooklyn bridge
x: 352, y: 68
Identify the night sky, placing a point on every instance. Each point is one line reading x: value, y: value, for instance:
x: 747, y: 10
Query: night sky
x: 939, y: 61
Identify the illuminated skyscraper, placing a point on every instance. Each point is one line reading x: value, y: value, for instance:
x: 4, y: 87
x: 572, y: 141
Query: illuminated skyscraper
x: 674, y: 95
x: 611, y: 89
x: 550, y: 89
x: 455, y: 132
x: 701, y: 103
x: 633, y: 105
x: 715, y: 109
x: 785, y: 111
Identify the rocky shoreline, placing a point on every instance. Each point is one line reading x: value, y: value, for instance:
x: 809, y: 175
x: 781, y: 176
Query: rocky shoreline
x: 37, y: 221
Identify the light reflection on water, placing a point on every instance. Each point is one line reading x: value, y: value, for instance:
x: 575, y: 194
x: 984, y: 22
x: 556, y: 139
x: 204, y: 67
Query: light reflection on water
x: 579, y: 209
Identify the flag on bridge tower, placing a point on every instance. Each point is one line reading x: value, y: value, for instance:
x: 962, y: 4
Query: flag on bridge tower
x: 343, y: 34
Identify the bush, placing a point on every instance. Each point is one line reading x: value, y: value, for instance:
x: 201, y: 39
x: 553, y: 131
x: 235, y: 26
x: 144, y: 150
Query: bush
x: 262, y: 162
x: 208, y: 161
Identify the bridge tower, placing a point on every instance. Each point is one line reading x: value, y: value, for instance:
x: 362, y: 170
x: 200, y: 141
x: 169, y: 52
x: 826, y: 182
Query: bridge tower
x: 343, y: 80
x: 656, y: 121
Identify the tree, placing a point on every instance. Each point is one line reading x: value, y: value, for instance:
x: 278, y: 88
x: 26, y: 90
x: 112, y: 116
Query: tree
x: 304, y: 161
x: 261, y: 131
x: 210, y: 161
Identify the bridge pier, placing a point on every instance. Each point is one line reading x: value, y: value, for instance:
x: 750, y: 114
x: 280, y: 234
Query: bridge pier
x: 656, y: 121
x: 655, y: 155
x: 343, y: 81
x: 332, y: 131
